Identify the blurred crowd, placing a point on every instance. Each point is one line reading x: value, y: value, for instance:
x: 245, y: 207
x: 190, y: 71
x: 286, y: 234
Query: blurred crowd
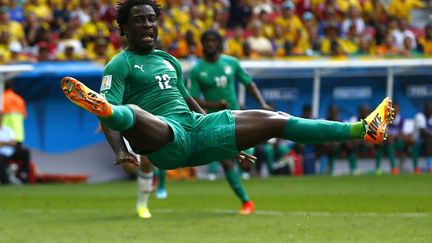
x: 65, y: 30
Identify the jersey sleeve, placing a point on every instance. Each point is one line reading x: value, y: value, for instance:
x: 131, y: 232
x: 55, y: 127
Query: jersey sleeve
x: 194, y: 88
x: 241, y: 74
x: 114, y: 79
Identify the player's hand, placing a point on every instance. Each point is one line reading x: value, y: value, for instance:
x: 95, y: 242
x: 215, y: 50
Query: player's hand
x: 123, y: 158
x: 245, y: 158
x: 267, y: 107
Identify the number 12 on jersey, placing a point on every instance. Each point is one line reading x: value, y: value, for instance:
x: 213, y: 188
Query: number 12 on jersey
x: 163, y: 81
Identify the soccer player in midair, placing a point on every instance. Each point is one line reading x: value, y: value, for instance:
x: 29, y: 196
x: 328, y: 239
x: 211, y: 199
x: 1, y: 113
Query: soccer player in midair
x: 143, y: 99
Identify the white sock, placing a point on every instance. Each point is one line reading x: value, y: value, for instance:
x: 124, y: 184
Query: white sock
x: 144, y: 181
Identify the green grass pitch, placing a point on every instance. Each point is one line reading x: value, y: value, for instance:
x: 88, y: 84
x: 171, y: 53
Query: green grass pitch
x: 303, y: 209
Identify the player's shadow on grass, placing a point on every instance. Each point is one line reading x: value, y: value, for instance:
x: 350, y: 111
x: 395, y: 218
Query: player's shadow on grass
x: 165, y: 215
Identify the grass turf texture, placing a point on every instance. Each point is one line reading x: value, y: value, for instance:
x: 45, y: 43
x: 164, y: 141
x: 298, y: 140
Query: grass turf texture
x: 307, y: 209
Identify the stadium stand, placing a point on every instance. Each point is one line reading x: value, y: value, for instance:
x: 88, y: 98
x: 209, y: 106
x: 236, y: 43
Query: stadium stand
x: 40, y: 30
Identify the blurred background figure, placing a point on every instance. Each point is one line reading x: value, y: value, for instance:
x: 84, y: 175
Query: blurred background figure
x: 423, y: 137
x: 7, y: 149
x: 14, y: 114
x: 397, y: 145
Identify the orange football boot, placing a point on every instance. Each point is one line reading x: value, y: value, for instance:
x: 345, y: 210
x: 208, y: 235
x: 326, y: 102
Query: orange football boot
x: 378, y: 121
x: 85, y: 98
x: 248, y: 208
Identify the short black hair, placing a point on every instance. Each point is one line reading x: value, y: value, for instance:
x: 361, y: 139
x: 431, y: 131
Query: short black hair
x: 123, y: 10
x: 215, y: 34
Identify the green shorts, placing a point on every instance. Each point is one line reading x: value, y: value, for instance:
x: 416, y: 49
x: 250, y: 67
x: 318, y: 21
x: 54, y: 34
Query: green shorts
x: 198, y: 140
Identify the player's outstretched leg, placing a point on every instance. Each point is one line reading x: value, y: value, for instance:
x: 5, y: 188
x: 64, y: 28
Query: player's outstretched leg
x: 255, y: 126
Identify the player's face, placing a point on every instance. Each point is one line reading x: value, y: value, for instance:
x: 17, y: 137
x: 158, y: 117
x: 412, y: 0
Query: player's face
x: 211, y: 45
x: 142, y: 30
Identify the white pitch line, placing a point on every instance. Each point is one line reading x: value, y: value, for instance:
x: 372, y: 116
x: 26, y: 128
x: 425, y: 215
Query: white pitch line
x: 328, y: 214
x: 229, y: 211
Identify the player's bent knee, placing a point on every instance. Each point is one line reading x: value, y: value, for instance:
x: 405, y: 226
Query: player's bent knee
x: 284, y: 114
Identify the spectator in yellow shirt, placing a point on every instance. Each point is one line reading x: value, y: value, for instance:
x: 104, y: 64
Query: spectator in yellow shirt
x: 234, y: 45
x: 218, y: 22
x: 279, y: 42
x: 426, y: 40
x: 91, y: 28
x: 375, y: 12
x: 167, y: 36
x: 402, y: 8
x: 101, y: 51
x: 351, y: 41
x: 14, y: 28
x: 290, y: 22
x: 332, y: 44
x: 308, y: 43
x: 365, y: 47
x: 4, y: 56
x: 39, y: 8
x: 267, y: 24
x: 4, y: 39
x: 93, y: 47
x: 194, y: 25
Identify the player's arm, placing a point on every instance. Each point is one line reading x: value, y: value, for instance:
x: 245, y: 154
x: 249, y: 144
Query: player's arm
x: 115, y: 139
x: 251, y: 87
x: 218, y: 105
x: 194, y: 105
x: 112, y: 88
x: 254, y: 91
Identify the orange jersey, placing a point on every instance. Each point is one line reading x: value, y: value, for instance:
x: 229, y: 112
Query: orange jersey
x: 13, y: 103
